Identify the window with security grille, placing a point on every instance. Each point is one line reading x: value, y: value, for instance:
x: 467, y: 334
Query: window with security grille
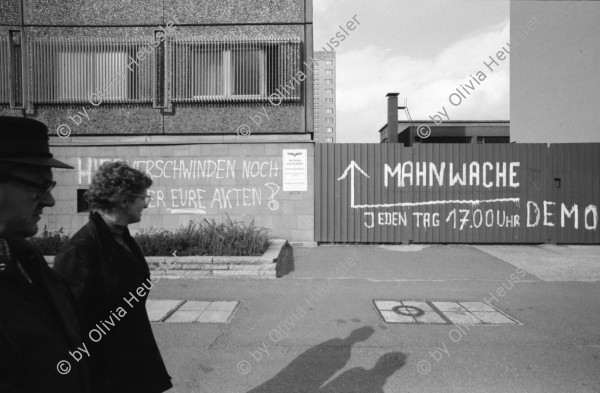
x: 235, y: 70
x: 83, y: 205
x: 4, y: 72
x: 72, y: 70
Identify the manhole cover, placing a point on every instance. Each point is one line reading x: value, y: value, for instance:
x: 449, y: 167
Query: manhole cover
x: 460, y: 312
x: 410, y: 311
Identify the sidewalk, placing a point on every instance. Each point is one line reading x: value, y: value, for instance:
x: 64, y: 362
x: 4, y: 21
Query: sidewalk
x: 452, y: 262
x: 551, y: 262
x: 317, y: 330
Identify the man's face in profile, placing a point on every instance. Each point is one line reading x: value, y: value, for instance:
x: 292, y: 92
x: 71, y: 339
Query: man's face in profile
x: 24, y: 192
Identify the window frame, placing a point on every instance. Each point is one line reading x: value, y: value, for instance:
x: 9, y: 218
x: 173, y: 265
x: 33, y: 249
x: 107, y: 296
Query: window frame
x: 5, y: 85
x: 277, y: 68
x: 69, y: 70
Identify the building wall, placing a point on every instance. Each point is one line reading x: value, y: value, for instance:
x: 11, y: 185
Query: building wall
x: 194, y: 182
x: 153, y: 128
x: 238, y: 21
x: 9, y: 13
x: 325, y: 132
x: 151, y: 12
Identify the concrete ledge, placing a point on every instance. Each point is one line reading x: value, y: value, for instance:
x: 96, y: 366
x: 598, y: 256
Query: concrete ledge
x: 240, y: 260
x: 275, y: 262
x: 304, y: 244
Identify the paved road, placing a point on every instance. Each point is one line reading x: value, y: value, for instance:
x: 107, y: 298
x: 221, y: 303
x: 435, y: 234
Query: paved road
x: 316, y: 330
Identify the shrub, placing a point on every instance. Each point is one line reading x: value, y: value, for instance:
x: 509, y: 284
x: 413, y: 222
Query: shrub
x: 49, y: 242
x: 206, y: 238
x: 197, y: 238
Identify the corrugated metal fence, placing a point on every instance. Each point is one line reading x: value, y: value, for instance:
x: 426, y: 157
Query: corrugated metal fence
x: 457, y: 193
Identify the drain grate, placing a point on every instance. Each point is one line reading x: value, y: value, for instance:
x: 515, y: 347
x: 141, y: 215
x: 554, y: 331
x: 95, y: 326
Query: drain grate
x: 442, y: 312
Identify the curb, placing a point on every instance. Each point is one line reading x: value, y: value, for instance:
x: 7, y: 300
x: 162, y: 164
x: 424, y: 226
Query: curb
x: 275, y: 262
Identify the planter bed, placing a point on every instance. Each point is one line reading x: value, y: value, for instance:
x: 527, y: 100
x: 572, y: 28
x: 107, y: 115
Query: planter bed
x: 275, y: 262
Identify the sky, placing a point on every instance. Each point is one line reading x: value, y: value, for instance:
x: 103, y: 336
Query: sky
x: 555, y: 81
x: 422, y: 49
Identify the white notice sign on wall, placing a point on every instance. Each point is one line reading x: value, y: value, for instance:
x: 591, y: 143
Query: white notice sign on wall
x: 295, y: 170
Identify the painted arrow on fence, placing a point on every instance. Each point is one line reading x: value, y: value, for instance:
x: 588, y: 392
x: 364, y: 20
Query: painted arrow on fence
x: 351, y: 169
x: 354, y: 167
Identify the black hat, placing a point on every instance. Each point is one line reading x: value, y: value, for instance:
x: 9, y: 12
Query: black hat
x: 25, y: 141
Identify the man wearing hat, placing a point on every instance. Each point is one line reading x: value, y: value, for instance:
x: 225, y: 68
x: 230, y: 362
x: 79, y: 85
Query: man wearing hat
x: 39, y: 325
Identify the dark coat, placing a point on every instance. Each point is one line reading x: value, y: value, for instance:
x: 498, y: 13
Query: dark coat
x: 39, y: 326
x: 111, y: 284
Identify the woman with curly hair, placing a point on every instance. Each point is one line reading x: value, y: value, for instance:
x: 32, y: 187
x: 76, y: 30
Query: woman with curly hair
x: 111, y: 279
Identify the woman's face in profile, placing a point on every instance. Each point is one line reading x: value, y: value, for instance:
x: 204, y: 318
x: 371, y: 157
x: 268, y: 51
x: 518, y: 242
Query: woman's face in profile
x: 133, y: 209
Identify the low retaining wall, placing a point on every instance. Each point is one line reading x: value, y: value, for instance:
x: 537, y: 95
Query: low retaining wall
x: 277, y: 261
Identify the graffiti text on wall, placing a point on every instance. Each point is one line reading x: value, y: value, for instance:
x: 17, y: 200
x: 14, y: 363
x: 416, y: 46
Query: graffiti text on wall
x: 547, y: 214
x: 210, y: 193
x: 481, y: 214
x: 504, y: 175
x: 486, y: 174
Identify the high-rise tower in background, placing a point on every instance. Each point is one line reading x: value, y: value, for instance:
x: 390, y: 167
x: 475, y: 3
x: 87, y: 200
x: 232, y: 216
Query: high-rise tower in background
x: 324, y: 77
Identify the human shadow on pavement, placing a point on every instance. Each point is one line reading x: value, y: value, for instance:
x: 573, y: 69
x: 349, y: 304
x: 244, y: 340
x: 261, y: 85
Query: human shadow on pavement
x: 311, y: 369
x: 315, y: 366
x: 360, y: 380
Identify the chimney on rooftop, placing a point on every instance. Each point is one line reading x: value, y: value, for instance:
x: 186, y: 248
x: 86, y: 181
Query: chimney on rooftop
x: 392, y: 114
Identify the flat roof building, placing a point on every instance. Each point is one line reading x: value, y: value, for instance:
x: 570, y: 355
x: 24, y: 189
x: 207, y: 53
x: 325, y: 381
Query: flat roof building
x: 454, y: 131
x: 411, y: 131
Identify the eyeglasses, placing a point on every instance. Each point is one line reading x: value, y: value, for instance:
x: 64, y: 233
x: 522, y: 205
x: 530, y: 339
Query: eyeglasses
x: 42, y: 188
x: 147, y: 198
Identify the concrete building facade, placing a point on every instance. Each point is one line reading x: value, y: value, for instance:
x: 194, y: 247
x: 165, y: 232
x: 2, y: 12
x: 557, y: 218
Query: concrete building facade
x: 212, y: 100
x: 325, y: 97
